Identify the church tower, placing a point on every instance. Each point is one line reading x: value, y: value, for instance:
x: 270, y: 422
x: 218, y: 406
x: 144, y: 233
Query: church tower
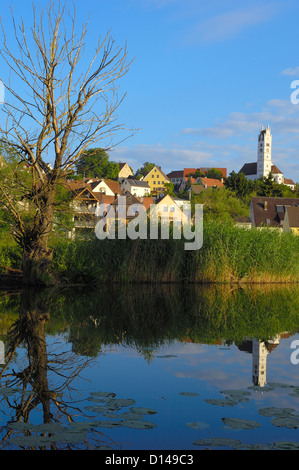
x: 264, y: 150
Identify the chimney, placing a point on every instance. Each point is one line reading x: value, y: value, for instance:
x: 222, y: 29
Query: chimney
x: 265, y: 205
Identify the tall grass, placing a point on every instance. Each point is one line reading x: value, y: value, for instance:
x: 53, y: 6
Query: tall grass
x: 229, y: 254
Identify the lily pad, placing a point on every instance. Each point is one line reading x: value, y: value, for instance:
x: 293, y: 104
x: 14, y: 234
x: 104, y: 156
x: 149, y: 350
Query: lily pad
x: 284, y: 445
x: 220, y: 402
x: 189, y: 394
x: 68, y: 437
x: 30, y: 441
x: 291, y: 422
x: 131, y: 416
x: 109, y: 424
x: 135, y: 424
x: 20, y: 426
x: 82, y: 426
x: 197, y: 425
x: 217, y: 442
x: 143, y: 411
x: 7, y: 392
x: 274, y: 411
x: 103, y: 394
x: 49, y: 428
x: 238, y: 423
x: 96, y: 408
x: 120, y: 402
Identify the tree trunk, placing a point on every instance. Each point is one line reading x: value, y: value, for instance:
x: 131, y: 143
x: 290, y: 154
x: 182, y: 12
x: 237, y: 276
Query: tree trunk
x: 36, y: 253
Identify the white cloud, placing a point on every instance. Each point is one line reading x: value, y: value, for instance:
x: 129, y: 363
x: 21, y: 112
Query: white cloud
x: 230, y: 24
x: 291, y: 71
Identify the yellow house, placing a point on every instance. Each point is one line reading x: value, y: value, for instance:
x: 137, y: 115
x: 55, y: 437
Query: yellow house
x: 124, y: 172
x: 170, y: 210
x: 156, y: 180
x: 291, y: 220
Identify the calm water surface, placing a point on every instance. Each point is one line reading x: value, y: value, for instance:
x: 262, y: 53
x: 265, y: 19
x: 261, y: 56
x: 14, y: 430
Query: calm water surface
x: 152, y: 368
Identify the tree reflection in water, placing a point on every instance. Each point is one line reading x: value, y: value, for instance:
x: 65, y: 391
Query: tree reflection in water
x: 26, y: 386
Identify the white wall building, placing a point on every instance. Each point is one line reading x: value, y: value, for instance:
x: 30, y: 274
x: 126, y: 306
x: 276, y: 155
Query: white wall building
x: 263, y: 166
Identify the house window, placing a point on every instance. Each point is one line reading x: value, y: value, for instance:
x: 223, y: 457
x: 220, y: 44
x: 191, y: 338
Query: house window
x: 165, y: 208
x: 154, y: 182
x: 171, y: 208
x: 134, y: 209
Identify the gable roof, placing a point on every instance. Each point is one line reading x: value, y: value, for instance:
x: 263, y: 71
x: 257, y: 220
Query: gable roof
x: 114, y: 186
x: 270, y: 211
x: 157, y: 169
x: 210, y: 182
x: 275, y: 170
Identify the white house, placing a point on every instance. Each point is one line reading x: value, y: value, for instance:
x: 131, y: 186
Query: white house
x: 136, y: 187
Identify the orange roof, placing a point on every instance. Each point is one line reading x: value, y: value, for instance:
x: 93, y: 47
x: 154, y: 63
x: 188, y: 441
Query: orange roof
x: 288, y: 181
x: 210, y: 182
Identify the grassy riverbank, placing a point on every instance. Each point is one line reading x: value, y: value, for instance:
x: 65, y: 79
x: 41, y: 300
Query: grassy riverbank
x: 228, y: 255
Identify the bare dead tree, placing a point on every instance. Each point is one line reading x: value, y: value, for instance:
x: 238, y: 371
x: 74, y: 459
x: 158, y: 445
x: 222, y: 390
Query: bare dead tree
x: 55, y: 107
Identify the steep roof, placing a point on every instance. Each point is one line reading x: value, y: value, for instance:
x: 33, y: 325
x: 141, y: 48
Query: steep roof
x: 249, y: 168
x: 270, y: 211
x: 275, y: 170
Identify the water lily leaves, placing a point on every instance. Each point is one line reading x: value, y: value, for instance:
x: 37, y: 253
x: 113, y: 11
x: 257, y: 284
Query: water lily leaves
x: 7, y: 392
x: 96, y: 408
x: 135, y: 424
x: 284, y: 445
x: 131, y: 416
x: 103, y: 394
x: 30, y: 441
x: 49, y: 428
x: 220, y: 402
x: 108, y: 424
x: 120, y: 402
x: 20, y: 426
x: 68, y: 437
x: 274, y: 411
x: 197, y: 425
x: 238, y: 423
x: 82, y: 426
x: 288, y: 421
x: 189, y: 394
x: 217, y: 442
x: 143, y: 411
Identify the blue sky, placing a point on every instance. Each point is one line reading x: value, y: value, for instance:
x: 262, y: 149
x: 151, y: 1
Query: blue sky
x: 206, y: 76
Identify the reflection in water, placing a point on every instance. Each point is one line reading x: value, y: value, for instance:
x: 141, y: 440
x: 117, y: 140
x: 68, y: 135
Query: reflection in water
x: 39, y: 384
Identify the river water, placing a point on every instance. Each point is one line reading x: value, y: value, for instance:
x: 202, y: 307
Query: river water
x: 148, y: 367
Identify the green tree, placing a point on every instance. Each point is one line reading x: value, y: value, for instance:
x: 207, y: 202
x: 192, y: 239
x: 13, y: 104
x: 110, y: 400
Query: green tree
x: 146, y: 168
x: 239, y: 184
x: 214, y: 173
x: 94, y: 163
